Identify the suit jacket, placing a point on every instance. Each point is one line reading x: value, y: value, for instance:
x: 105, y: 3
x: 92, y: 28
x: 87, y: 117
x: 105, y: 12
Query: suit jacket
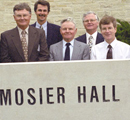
x: 82, y: 38
x: 80, y: 51
x: 11, y: 46
x: 53, y: 33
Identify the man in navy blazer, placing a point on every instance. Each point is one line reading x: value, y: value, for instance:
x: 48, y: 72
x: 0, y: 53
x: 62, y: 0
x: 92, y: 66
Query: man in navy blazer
x: 90, y: 22
x: 52, y: 31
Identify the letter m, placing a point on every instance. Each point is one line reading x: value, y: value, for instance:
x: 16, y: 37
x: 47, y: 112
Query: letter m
x: 5, y: 97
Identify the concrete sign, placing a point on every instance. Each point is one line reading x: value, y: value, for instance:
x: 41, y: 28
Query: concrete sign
x: 78, y: 90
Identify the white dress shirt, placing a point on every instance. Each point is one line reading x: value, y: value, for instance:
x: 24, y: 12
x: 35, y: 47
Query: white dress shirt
x: 94, y: 35
x: 44, y: 26
x: 120, y: 50
x: 71, y: 48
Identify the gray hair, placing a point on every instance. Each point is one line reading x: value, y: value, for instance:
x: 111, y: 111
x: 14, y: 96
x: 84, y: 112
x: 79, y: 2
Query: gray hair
x: 90, y: 12
x: 69, y: 19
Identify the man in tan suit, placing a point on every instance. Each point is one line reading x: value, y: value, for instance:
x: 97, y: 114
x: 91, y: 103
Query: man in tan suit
x: 23, y: 43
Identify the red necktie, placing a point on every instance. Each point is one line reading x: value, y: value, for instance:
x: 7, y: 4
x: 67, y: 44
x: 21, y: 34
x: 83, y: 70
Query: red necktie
x: 109, y: 53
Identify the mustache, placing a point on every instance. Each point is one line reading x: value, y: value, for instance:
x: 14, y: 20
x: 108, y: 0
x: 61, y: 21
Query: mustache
x: 42, y: 15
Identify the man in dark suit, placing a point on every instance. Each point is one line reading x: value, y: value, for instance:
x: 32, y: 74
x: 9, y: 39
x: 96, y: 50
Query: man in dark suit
x: 52, y: 31
x: 23, y: 43
x: 69, y: 48
x: 91, y: 37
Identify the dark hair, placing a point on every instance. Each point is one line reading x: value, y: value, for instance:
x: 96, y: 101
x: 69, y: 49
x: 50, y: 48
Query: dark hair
x: 107, y: 20
x: 42, y: 2
x: 22, y: 6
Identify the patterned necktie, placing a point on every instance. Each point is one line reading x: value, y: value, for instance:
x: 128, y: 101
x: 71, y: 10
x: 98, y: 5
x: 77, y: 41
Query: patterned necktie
x: 41, y: 27
x: 90, y: 42
x: 109, y: 53
x: 67, y: 52
x: 24, y: 45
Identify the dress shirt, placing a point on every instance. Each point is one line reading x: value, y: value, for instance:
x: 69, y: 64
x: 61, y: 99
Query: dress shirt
x: 26, y: 30
x: 120, y: 50
x: 94, y: 35
x: 71, y: 48
x: 44, y: 26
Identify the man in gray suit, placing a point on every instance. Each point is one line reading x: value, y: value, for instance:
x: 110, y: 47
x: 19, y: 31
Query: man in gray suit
x: 24, y: 43
x: 69, y: 48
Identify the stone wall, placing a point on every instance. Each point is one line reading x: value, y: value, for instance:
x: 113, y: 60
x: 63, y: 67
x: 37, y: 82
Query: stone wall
x: 67, y: 8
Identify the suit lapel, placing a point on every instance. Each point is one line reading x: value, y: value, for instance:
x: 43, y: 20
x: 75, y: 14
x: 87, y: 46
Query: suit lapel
x: 84, y: 38
x: 31, y: 40
x: 76, y: 50
x: 59, y: 50
x: 99, y: 38
x: 49, y: 33
x: 17, y: 42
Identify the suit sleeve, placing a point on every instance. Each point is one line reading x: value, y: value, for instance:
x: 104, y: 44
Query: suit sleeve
x: 51, y: 54
x: 4, y: 51
x: 43, y: 53
x: 86, y: 53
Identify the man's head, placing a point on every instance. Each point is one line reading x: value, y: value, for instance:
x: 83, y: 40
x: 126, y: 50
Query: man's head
x: 42, y: 9
x: 68, y: 29
x: 90, y: 22
x: 22, y: 15
x: 108, y: 28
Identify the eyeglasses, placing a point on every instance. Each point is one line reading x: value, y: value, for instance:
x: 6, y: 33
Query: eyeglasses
x: 20, y: 16
x: 91, y: 20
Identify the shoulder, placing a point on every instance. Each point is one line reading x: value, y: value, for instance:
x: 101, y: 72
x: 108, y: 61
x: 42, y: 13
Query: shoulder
x: 56, y: 44
x: 84, y: 35
x: 36, y: 29
x: 98, y: 46
x: 100, y: 37
x: 8, y: 32
x: 99, y: 34
x: 34, y: 24
x: 80, y: 43
x: 122, y: 44
x: 53, y: 25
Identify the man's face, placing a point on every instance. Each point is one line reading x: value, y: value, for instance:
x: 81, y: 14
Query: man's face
x: 68, y: 31
x: 22, y: 18
x: 108, y: 31
x: 42, y: 13
x: 90, y: 23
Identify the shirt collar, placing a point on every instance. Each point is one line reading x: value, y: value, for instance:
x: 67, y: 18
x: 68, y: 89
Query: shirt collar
x: 20, y: 30
x: 112, y: 44
x: 43, y: 25
x: 71, y: 42
x: 94, y: 35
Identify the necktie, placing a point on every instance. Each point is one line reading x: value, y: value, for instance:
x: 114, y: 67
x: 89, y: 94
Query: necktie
x: 109, y: 53
x: 41, y: 27
x: 67, y: 52
x: 24, y: 45
x: 90, y: 42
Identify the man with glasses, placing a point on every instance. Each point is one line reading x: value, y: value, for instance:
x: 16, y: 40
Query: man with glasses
x: 21, y: 44
x: 69, y: 48
x: 91, y: 37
